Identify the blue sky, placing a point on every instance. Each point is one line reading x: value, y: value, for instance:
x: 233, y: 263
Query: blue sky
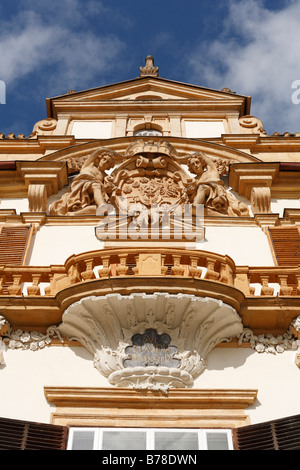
x: 249, y: 46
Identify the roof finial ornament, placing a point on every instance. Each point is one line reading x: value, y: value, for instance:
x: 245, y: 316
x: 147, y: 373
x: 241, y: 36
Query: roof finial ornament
x: 149, y: 68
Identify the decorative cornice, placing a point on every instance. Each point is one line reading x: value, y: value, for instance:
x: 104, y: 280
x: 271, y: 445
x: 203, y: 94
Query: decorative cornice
x: 191, y: 408
x: 18, y: 182
x: 103, y: 397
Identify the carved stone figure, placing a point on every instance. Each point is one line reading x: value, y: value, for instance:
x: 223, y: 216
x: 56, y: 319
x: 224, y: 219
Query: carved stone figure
x: 209, y: 189
x: 87, y: 190
x: 150, y: 174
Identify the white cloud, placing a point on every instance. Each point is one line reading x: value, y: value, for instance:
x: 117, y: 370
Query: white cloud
x: 36, y: 43
x: 256, y: 54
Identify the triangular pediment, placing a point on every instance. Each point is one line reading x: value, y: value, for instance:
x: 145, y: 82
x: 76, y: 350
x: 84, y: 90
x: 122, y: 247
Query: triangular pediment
x: 149, y: 89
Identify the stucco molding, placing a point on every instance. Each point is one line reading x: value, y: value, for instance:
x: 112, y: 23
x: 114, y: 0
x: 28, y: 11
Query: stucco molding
x: 106, y: 325
x: 124, y: 407
x: 26, y: 340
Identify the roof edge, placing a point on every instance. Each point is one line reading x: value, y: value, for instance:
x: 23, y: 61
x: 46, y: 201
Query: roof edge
x: 49, y: 101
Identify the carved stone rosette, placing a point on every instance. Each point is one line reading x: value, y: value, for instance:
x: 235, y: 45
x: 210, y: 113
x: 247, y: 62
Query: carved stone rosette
x: 109, y: 325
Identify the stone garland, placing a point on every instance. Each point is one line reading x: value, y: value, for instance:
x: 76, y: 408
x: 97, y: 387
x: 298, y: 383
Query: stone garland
x: 32, y: 340
x: 35, y: 340
x: 268, y: 343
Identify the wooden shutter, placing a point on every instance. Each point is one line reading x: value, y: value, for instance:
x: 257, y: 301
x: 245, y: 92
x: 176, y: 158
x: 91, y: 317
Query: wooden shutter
x: 286, y: 245
x: 14, y: 241
x: 280, y: 434
x: 25, y: 435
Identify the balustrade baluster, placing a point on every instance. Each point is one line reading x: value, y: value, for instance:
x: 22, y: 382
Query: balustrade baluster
x: 88, y: 274
x: 266, y: 289
x: 177, y: 269
x: 48, y: 289
x: 122, y: 268
x: 15, y: 288
x: 105, y: 271
x: 34, y: 289
x: 224, y: 274
x: 284, y: 288
x: 194, y: 270
x: 211, y: 274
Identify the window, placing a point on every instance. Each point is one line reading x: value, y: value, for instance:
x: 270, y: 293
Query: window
x: 148, y: 132
x: 149, y: 439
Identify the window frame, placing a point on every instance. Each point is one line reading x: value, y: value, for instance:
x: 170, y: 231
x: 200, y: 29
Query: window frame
x: 150, y: 435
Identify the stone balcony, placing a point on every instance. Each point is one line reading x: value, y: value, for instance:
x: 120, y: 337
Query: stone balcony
x: 267, y: 297
x: 131, y: 263
x: 104, y: 299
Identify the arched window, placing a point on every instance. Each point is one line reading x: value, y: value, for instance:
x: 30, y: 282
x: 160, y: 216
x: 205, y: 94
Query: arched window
x: 148, y: 132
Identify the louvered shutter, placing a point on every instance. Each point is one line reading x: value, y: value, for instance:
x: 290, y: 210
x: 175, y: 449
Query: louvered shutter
x: 13, y: 244
x: 280, y: 434
x: 26, y: 435
x: 286, y: 245
x: 14, y: 241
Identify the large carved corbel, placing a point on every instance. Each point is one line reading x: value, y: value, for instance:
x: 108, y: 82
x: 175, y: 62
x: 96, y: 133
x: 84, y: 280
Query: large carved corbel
x: 243, y: 177
x: 37, y: 197
x: 261, y: 200
x: 157, y: 341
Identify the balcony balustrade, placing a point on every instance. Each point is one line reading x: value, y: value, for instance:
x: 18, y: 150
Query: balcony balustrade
x: 153, y: 262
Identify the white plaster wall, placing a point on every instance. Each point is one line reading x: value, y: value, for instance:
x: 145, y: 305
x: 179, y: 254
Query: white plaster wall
x: 53, y: 245
x: 92, y: 129
x: 19, y: 204
x: 276, y: 377
x: 203, y: 129
x: 245, y: 245
x: 26, y: 373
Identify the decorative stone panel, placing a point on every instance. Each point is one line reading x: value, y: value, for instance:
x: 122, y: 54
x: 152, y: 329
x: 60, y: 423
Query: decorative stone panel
x: 182, y: 330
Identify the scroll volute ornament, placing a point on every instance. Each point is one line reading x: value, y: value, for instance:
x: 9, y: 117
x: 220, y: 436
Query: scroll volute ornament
x: 45, y: 127
x: 252, y: 125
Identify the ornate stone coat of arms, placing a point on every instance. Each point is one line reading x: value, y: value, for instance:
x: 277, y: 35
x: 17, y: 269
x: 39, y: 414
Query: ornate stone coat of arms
x: 150, y: 174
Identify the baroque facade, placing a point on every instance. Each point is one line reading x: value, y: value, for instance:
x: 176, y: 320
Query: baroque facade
x: 149, y: 270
